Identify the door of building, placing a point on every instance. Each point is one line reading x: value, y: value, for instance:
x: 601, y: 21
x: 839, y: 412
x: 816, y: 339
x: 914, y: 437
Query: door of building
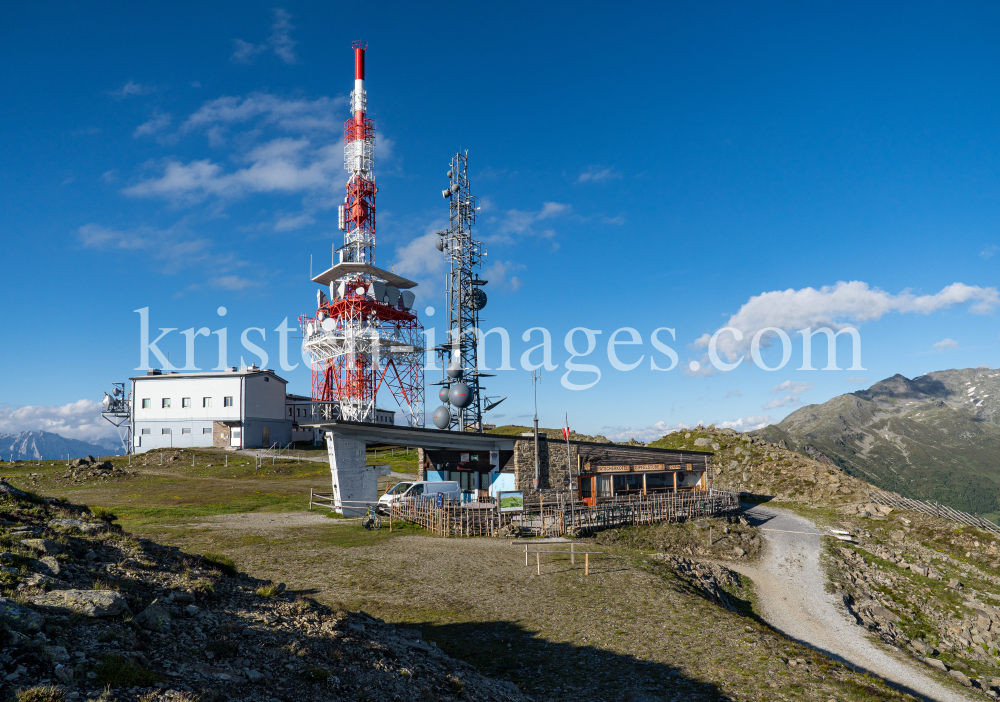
x: 587, y: 490
x: 234, y: 437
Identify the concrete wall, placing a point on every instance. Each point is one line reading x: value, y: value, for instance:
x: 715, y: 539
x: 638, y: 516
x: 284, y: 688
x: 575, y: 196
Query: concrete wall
x: 353, y: 482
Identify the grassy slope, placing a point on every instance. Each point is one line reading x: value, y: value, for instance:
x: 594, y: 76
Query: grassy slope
x: 633, y: 630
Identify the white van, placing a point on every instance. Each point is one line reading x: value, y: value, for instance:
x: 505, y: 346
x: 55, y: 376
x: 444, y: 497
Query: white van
x: 420, y: 488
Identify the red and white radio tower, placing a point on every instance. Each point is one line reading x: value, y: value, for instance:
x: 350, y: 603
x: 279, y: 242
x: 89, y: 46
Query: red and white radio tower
x: 365, y: 335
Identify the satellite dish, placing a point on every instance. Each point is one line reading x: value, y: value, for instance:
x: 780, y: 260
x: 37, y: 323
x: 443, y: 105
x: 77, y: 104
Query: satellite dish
x: 439, y: 244
x: 107, y: 401
x: 442, y: 417
x: 443, y: 395
x: 310, y: 330
x: 320, y: 298
x: 450, y: 173
x: 454, y: 187
x: 328, y: 325
x: 445, y: 194
x: 359, y: 290
x: 460, y: 395
x: 455, y: 370
x: 476, y: 300
x: 116, y: 392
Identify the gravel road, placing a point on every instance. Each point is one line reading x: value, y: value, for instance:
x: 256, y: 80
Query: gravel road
x: 793, y: 597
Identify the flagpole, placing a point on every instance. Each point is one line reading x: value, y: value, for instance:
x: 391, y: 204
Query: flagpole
x: 569, y: 469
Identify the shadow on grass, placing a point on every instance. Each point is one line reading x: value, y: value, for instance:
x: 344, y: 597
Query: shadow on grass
x: 551, y: 670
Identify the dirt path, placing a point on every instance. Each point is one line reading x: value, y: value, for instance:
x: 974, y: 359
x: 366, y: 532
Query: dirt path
x: 792, y: 590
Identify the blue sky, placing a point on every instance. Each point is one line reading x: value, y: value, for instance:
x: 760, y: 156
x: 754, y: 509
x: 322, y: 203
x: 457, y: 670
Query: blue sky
x: 681, y: 166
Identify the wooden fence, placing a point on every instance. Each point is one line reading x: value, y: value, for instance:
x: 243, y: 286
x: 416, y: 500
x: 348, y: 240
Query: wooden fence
x: 898, y: 502
x: 559, y: 517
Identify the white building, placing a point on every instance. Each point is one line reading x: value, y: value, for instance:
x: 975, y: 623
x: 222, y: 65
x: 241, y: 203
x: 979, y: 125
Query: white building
x: 243, y: 408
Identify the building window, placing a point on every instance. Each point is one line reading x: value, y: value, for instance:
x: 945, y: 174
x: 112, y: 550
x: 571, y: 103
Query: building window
x: 236, y: 433
x: 206, y: 402
x: 228, y: 402
x: 186, y: 430
x: 146, y: 403
x: 145, y: 431
x: 185, y: 402
x: 165, y: 431
x: 206, y: 430
x: 165, y: 402
x: 289, y: 411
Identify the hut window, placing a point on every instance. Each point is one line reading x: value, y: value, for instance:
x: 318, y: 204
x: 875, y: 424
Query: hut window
x: 659, y: 481
x: 604, y: 486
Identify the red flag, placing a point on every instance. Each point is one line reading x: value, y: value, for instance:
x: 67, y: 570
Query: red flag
x: 566, y: 433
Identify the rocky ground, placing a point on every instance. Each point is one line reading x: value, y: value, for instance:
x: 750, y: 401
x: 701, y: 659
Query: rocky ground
x: 90, y: 612
x: 749, y: 464
x: 725, y: 538
x: 927, y: 590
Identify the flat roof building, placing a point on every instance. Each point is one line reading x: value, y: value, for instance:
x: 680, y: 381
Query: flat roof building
x: 238, y: 408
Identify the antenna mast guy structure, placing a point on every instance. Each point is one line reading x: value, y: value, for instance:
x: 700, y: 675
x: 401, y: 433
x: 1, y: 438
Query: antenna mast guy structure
x: 118, y: 410
x: 365, y: 335
x: 466, y: 297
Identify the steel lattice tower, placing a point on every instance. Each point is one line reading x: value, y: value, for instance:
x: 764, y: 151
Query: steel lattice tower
x: 465, y: 297
x: 364, y: 335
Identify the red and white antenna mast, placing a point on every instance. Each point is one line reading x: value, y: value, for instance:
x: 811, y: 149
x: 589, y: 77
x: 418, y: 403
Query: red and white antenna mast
x: 365, y: 335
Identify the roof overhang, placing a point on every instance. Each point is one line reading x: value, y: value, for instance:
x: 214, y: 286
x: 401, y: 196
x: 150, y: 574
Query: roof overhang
x: 433, y: 439
x: 344, y: 269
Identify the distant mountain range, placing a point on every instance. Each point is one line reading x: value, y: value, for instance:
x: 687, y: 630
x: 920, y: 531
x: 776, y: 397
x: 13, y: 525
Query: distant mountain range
x: 935, y: 437
x: 44, y: 445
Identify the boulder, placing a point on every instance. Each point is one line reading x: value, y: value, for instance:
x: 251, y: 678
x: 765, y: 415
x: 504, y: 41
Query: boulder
x: 65, y: 674
x: 936, y: 664
x: 884, y: 613
x: 918, y: 569
x: 960, y: 677
x: 43, y: 545
x: 56, y: 654
x: 78, y: 525
x: 154, y: 618
x: 47, y: 566
x: 702, y: 442
x: 18, y: 617
x: 93, y: 603
x: 8, y: 489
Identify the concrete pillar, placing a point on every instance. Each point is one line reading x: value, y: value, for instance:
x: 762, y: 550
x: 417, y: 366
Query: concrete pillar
x: 353, y: 481
x: 421, y: 461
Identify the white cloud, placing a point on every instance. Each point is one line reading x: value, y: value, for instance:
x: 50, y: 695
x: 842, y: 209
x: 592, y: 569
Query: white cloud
x: 281, y: 165
x: 132, y: 88
x: 733, y: 393
x: 520, y: 223
x: 185, y: 251
x: 231, y: 282
x: 289, y: 222
x: 839, y: 306
x: 989, y: 250
x: 420, y: 260
x: 497, y: 275
x: 109, y: 176
x: 793, y: 387
x: 294, y: 115
x: 645, y: 434
x: 749, y: 423
x: 858, y: 379
x: 77, y: 420
x: 596, y: 174
x: 786, y: 401
x: 158, y: 122
x: 280, y: 42
x: 946, y: 344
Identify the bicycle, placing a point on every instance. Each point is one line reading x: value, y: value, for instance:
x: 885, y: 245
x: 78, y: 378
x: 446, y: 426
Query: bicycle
x: 371, y: 520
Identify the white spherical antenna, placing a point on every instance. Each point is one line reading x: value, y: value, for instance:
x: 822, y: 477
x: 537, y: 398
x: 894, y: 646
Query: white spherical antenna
x: 328, y: 324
